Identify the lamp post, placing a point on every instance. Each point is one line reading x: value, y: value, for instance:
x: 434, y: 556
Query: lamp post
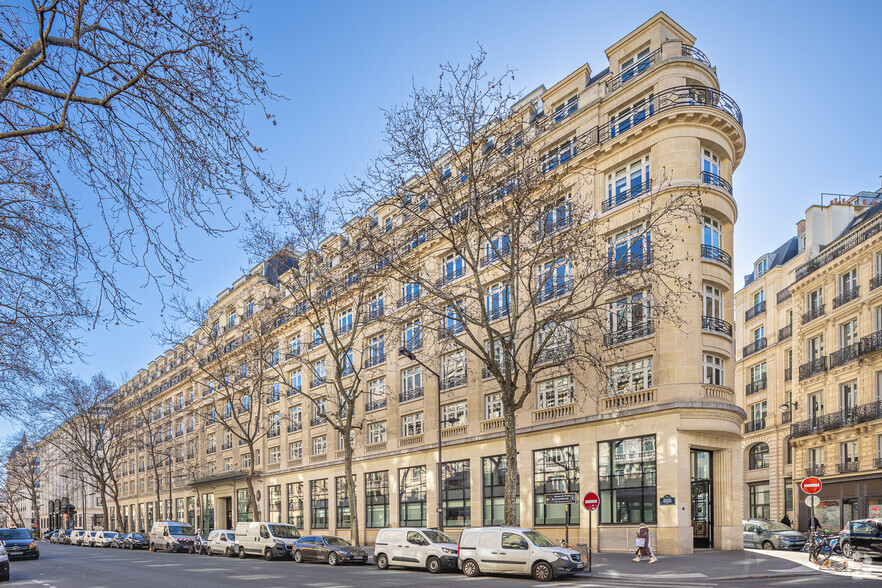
x: 410, y: 355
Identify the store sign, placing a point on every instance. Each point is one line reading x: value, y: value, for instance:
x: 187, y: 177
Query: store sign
x: 875, y: 510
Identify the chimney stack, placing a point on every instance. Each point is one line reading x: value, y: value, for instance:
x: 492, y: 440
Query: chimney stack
x: 800, y: 228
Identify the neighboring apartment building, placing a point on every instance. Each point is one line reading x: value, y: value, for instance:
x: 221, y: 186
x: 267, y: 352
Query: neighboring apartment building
x: 666, y: 450
x: 67, y: 499
x: 808, y: 374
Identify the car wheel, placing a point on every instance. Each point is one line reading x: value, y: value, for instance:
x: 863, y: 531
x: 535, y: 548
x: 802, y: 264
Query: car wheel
x: 36, y: 556
x: 768, y: 545
x: 298, y: 557
x: 209, y: 552
x: 382, y: 561
x: 241, y: 553
x: 470, y: 568
x: 169, y: 548
x: 4, y: 577
x: 268, y: 554
x: 433, y: 564
x: 542, y: 572
x: 333, y: 559
x: 847, y: 550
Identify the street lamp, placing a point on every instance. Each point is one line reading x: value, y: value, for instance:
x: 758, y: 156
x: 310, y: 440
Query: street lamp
x: 788, y: 405
x: 410, y: 355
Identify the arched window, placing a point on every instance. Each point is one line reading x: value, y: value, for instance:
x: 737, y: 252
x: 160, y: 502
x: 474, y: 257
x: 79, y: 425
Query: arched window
x: 758, y: 457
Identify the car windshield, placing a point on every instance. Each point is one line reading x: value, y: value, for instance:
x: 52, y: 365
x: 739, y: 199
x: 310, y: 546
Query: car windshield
x: 136, y: 536
x: 7, y: 534
x: 230, y: 537
x: 773, y: 526
x: 336, y: 541
x: 180, y: 530
x: 438, y: 537
x: 284, y: 531
x: 539, y: 539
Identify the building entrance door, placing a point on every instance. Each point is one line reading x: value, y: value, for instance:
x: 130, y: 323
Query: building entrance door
x: 702, y: 498
x: 228, y: 508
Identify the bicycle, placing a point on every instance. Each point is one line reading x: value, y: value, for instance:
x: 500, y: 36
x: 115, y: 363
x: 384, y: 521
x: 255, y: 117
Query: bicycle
x: 821, y: 551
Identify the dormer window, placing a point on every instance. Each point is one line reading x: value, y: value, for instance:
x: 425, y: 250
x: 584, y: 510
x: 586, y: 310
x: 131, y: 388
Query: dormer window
x: 387, y: 224
x: 445, y: 171
x: 635, y: 65
x: 538, y: 109
x: 762, y: 266
x: 564, y: 109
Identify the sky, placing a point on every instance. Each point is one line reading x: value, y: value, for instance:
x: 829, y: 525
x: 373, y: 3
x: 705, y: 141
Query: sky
x: 806, y: 76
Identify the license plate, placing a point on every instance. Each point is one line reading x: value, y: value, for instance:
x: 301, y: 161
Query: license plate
x: 580, y: 566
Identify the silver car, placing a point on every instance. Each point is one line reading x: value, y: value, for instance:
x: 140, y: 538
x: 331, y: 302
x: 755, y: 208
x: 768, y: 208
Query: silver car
x: 766, y: 534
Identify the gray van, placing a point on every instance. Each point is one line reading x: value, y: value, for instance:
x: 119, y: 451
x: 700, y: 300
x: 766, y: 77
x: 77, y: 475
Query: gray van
x: 766, y: 534
x: 418, y: 548
x: 172, y: 536
x: 512, y: 550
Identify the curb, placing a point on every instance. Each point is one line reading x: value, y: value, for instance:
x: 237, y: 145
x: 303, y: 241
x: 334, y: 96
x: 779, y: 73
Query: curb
x: 708, y: 579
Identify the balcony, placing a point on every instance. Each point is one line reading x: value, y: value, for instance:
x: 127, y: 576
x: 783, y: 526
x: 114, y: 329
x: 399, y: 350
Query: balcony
x: 450, y: 432
x: 495, y: 255
x: 622, y: 336
x: 863, y: 413
x: 788, y: 374
x: 209, y: 451
x: 408, y: 299
x: 453, y: 382
x: 347, y: 370
x: 551, y: 290
x: 413, y: 344
x: 227, y: 446
x: 492, y: 424
x: 554, y: 413
x: 293, y: 391
x: 846, y: 297
x: 716, y: 254
x: 499, y: 312
x: 696, y: 54
x: 633, y: 71
x: 758, y: 425
x: 755, y: 311
x: 816, y: 470
x: 877, y: 463
x: 559, y: 352
x: 845, y: 355
x: 615, y: 401
x: 716, y: 325
x: 553, y: 226
x: 875, y: 281
x: 318, y: 382
x: 628, y: 263
x: 375, y: 404
x: 847, y: 467
x: 273, y: 433
x: 620, y: 198
x: 450, y: 276
x: 716, y: 180
x: 813, y: 313
x: 785, y: 332
x: 871, y: 343
x: 833, y: 251
x: 411, y: 440
x: 409, y: 395
x: 376, y: 358
x: 295, y: 426
x: 757, y: 345
x: 756, y: 386
x: 453, y: 329
x: 812, y: 368
x: 783, y: 295
x: 316, y: 421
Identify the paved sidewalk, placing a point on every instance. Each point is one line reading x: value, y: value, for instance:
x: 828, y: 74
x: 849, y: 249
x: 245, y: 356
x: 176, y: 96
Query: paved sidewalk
x: 862, y: 567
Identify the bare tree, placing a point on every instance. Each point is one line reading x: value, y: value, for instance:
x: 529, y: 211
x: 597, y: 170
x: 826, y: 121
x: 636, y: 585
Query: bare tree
x: 122, y: 124
x: 530, y: 279
x: 154, y: 439
x: 22, y: 478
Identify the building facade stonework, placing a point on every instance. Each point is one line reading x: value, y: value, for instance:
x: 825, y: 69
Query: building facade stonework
x: 672, y: 432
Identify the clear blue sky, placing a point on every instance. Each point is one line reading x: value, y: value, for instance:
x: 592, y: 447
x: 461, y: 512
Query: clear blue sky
x: 805, y: 74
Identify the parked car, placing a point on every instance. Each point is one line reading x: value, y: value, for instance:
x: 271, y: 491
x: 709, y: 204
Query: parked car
x: 51, y: 536
x: 135, y: 541
x: 64, y: 537
x: 19, y: 543
x: 117, y: 540
x: 417, y: 548
x: 328, y: 548
x: 863, y: 536
x: 77, y: 536
x: 4, y: 564
x: 767, y: 534
x: 221, y: 542
x: 271, y: 540
x: 172, y: 536
x: 103, y: 538
x: 89, y: 540
x: 512, y: 550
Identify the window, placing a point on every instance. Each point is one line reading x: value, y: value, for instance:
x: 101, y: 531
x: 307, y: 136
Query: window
x: 453, y: 314
x: 710, y: 166
x: 493, y: 482
x: 274, y: 503
x: 815, y: 348
x: 244, y: 512
x: 345, y: 322
x: 296, y: 382
x: 412, y: 497
x: 245, y: 460
x: 627, y: 117
x: 554, y: 279
x: 712, y: 235
x: 377, y: 351
x: 555, y: 470
x: 319, y: 411
x: 318, y: 496
x: 376, y: 394
x: 320, y: 445
x: 452, y: 267
x: 628, y: 182
x: 453, y: 369
x: 410, y: 337
x: 757, y: 374
x: 758, y: 456
x: 630, y: 316
x: 556, y: 215
x: 344, y: 520
x: 376, y: 488
x: 815, y: 457
x: 847, y: 282
x: 377, y: 432
x: 412, y: 382
x: 377, y: 305
x: 295, y: 504
x: 627, y: 469
x: 232, y: 319
x: 631, y: 376
x: 556, y: 392
x: 275, y: 425
x: 788, y: 495
x: 275, y: 456
x: 629, y: 70
x: 761, y: 267
x: 566, y: 108
x: 409, y: 292
x: 554, y: 341
x: 496, y: 301
x: 713, y: 302
x: 848, y: 398
x: 295, y: 418
x: 455, y: 494
x: 848, y: 452
x: 814, y: 300
x: 493, y: 406
x: 497, y: 246
x: 412, y: 424
x: 559, y: 155
x: 453, y: 415
x: 759, y: 500
x: 713, y: 370
x: 848, y: 334
x: 757, y: 412
x: 295, y: 450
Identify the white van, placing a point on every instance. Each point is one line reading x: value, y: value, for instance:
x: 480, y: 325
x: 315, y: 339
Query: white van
x: 271, y: 540
x: 172, y: 536
x: 512, y: 550
x: 415, y: 548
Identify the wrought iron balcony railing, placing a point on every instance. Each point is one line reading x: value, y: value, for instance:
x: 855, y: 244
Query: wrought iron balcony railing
x: 628, y: 263
x: 813, y: 313
x: 846, y: 297
x: 833, y: 251
x: 757, y: 425
x: 450, y: 276
x: 756, y: 386
x: 756, y: 310
x: 631, y: 72
x: 316, y: 421
x: 815, y: 470
x: 716, y: 325
x: 783, y: 295
x: 454, y: 382
x: 812, y: 368
x: 716, y: 180
x: 622, y: 336
x: 871, y: 343
x: 623, y: 197
x: 696, y: 54
x: 845, y: 467
x: 412, y: 394
x: 408, y: 299
x: 845, y: 355
x: 757, y: 345
x: 862, y: 413
x: 295, y: 426
x: 495, y: 255
x: 716, y: 254
x: 376, y: 358
x: 785, y: 332
x: 875, y: 281
x: 375, y: 404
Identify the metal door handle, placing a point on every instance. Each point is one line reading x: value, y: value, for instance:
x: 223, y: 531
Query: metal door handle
x: 493, y: 553
x: 407, y: 546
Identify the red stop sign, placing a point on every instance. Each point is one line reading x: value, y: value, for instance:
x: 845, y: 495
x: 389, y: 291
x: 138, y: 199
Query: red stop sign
x: 591, y: 501
x: 811, y: 485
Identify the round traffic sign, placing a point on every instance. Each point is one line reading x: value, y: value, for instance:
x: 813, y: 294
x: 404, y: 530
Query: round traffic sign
x: 591, y: 501
x: 812, y: 501
x: 811, y: 485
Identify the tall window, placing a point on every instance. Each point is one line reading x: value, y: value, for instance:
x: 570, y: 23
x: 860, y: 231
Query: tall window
x: 848, y: 397
x: 377, y: 432
x: 713, y: 370
x: 758, y: 372
x: 713, y: 302
x: 376, y: 488
x: 554, y: 471
x: 274, y: 503
x: 318, y: 496
x: 493, y: 406
x: 710, y: 166
x: 493, y: 482
x: 318, y: 374
x: 320, y: 445
x: 377, y: 393
x: 455, y: 494
x: 848, y: 282
x: 759, y: 500
x: 758, y: 456
x: 757, y: 412
x: 848, y: 333
x: 848, y: 452
x: 412, y: 497
x: 296, y: 382
x: 275, y: 455
x: 627, y: 470
x: 628, y: 182
x: 453, y: 266
x: 295, y: 504
x: 556, y: 392
x: 412, y: 424
x: 631, y: 376
x: 377, y: 305
x: 412, y: 382
x: 453, y: 415
x: 410, y: 337
x: 244, y: 512
x: 815, y: 457
x: 553, y: 279
x: 410, y: 292
x: 377, y: 350
x: 712, y: 233
x: 344, y: 521
x: 815, y: 348
x: 496, y: 301
x: 630, y: 249
x: 629, y: 316
x: 453, y: 369
x: 814, y: 300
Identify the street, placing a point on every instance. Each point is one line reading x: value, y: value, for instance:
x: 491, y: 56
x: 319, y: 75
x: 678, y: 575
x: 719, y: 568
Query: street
x: 63, y: 565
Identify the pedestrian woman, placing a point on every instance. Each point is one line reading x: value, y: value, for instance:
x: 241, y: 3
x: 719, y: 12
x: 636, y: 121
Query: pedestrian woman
x: 643, y: 547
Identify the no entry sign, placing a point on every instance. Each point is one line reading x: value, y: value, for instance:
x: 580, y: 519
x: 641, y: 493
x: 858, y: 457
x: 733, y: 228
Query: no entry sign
x: 811, y: 485
x: 591, y: 501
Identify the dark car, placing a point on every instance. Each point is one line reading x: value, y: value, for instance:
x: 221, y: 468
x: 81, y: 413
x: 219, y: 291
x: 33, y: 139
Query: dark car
x: 863, y: 536
x: 328, y: 548
x: 118, y: 540
x: 19, y: 543
x: 135, y: 541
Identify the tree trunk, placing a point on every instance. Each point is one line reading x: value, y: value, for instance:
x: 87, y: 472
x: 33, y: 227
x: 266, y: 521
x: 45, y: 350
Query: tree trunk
x: 350, y: 491
x: 36, y: 504
x: 511, y: 465
x: 102, y: 492
x: 255, y: 508
x: 119, y: 519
